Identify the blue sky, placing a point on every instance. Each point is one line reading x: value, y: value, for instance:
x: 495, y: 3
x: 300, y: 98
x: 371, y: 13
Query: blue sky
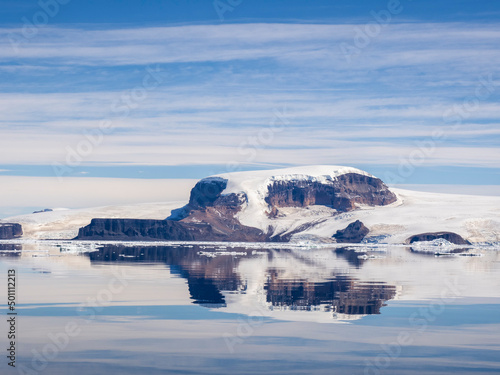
x: 270, y: 84
x: 161, y: 12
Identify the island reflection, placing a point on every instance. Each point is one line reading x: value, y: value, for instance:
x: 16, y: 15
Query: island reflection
x: 214, y: 274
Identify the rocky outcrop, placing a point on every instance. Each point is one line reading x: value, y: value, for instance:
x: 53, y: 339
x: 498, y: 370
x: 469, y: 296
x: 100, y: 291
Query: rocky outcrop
x: 353, y: 233
x: 448, y: 236
x: 342, y: 193
x: 208, y: 205
x: 205, y: 194
x: 10, y: 231
x: 44, y: 210
x: 157, y: 230
x: 136, y: 229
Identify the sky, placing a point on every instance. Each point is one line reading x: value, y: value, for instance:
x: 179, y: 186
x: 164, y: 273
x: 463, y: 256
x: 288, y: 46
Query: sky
x: 406, y: 90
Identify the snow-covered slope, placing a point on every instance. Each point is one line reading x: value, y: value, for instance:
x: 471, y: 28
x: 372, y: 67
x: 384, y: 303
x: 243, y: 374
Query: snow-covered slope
x: 475, y: 218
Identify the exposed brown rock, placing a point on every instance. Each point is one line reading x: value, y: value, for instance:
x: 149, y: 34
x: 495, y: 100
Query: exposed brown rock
x: 448, y: 236
x: 353, y: 233
x: 208, y: 205
x: 341, y: 193
x: 206, y: 193
x: 168, y: 230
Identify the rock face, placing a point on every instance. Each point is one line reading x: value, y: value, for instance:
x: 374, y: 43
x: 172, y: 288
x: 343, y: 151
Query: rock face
x: 353, y: 233
x: 448, y: 236
x: 154, y: 230
x: 342, y: 193
x: 135, y: 229
x: 204, y: 194
x: 9, y: 231
x: 207, y: 204
x: 207, y: 192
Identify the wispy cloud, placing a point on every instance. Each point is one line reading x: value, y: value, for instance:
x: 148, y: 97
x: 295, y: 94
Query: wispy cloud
x: 222, y: 83
x: 399, y: 44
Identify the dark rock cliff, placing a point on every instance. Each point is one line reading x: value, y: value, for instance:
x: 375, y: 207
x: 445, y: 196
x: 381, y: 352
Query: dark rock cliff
x: 156, y: 230
x: 9, y: 231
x: 353, y: 233
x: 136, y: 229
x: 342, y: 193
x: 208, y: 205
x: 448, y: 236
x: 205, y: 194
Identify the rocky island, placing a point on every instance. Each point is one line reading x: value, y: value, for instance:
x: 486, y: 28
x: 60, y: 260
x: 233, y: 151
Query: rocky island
x: 310, y: 204
x: 10, y: 231
x: 212, y: 213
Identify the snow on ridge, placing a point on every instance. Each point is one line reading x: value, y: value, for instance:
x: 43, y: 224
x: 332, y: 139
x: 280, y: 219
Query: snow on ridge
x: 214, y: 178
x: 317, y: 171
x: 258, y: 181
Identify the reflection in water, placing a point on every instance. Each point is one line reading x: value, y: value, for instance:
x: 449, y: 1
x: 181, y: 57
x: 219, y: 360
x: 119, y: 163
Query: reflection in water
x: 10, y: 250
x: 438, y: 252
x: 342, y: 295
x: 213, y: 274
x: 351, y: 256
x: 138, y: 317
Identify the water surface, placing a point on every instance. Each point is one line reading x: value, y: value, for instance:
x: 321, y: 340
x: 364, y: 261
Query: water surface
x: 223, y: 309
